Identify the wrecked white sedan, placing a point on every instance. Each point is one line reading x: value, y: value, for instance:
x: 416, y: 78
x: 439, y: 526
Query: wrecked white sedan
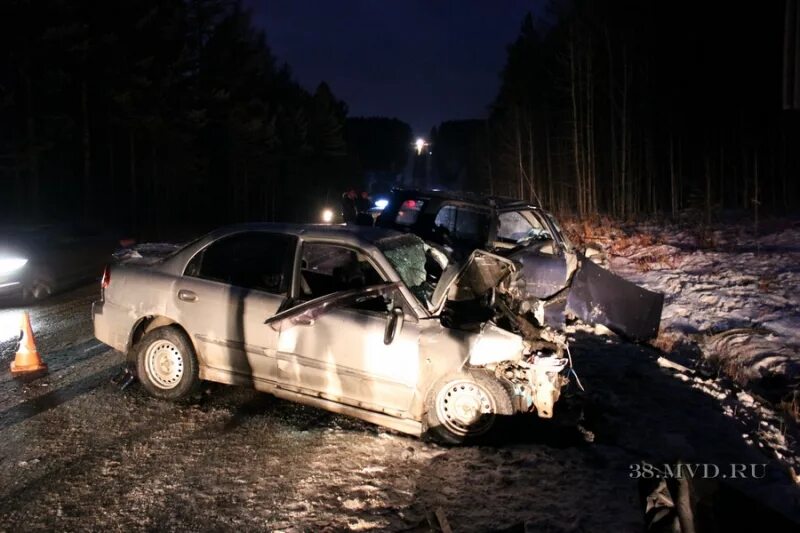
x: 366, y: 322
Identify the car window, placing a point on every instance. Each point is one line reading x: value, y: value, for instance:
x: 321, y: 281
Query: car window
x: 522, y: 227
x: 254, y: 260
x: 446, y: 219
x: 328, y: 268
x: 463, y: 224
x: 408, y: 212
x: 418, y: 265
x: 515, y: 227
x: 512, y: 226
x: 471, y: 225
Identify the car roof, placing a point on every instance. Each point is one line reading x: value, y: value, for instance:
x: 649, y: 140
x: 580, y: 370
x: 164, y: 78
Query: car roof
x: 358, y: 236
x: 443, y: 195
x: 498, y: 202
x: 369, y: 234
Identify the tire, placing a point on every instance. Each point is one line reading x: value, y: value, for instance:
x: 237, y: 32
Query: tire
x: 450, y: 407
x: 38, y: 288
x: 166, y: 364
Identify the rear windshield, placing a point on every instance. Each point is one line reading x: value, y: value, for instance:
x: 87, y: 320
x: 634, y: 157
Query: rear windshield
x: 409, y: 211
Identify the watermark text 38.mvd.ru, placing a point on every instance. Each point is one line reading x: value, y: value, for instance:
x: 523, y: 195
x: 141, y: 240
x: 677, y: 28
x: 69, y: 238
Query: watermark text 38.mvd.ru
x: 646, y: 470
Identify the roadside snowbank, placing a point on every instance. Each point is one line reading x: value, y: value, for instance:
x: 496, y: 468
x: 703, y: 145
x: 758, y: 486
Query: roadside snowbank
x: 730, y: 295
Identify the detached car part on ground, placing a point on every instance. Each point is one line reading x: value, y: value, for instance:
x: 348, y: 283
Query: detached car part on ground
x: 361, y: 321
x: 560, y: 281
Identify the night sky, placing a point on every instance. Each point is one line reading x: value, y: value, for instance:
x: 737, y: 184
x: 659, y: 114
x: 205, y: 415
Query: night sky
x: 420, y: 61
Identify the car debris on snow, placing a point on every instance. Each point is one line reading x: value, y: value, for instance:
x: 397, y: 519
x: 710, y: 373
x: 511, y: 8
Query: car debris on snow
x: 666, y: 363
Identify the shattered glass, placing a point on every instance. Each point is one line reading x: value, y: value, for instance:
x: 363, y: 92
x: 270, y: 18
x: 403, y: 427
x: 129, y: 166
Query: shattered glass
x: 406, y: 253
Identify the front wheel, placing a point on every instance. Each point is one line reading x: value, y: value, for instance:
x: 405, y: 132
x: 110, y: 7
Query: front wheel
x: 463, y: 407
x: 39, y: 287
x: 166, y: 364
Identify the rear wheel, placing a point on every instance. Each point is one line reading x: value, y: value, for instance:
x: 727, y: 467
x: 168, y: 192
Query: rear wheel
x: 464, y: 407
x: 166, y: 364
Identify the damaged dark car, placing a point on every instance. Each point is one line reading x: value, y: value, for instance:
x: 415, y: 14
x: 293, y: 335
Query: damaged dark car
x: 557, y: 282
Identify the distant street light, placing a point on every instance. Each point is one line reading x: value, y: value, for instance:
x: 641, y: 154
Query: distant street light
x: 420, y: 145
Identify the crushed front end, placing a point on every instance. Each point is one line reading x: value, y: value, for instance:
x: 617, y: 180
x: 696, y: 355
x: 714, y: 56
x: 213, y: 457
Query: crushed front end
x: 538, y: 378
x: 487, y: 299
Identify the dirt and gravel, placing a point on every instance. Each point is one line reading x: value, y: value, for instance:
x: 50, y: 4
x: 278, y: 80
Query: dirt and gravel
x: 76, y: 453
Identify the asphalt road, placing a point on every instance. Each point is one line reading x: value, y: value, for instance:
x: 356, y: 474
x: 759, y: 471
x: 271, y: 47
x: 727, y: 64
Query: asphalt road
x: 76, y: 453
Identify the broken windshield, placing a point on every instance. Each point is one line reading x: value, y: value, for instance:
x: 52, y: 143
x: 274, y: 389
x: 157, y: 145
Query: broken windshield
x: 415, y: 264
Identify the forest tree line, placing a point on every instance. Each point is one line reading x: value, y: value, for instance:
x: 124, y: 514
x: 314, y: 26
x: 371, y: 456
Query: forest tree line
x: 632, y: 107
x: 142, y: 113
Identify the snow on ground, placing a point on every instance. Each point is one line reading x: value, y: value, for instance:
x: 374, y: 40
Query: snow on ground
x: 9, y: 324
x: 731, y: 299
x: 737, y: 299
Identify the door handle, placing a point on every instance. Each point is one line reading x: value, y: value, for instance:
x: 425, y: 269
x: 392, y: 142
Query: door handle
x: 187, y: 296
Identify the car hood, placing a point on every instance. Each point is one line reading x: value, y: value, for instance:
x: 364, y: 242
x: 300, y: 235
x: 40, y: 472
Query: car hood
x: 480, y: 272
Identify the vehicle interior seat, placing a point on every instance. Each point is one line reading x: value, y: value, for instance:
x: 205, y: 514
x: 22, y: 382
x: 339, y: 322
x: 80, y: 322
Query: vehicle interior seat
x: 349, y: 276
x: 305, y: 288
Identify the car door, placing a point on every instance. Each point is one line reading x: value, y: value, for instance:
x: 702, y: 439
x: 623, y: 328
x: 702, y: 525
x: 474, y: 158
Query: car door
x: 545, y: 266
x: 227, y: 290
x: 341, y: 351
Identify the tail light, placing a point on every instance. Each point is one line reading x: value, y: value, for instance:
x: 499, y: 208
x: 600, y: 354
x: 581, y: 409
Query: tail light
x: 106, y: 279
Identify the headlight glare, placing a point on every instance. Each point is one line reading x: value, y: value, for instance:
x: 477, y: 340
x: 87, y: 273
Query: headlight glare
x: 9, y: 265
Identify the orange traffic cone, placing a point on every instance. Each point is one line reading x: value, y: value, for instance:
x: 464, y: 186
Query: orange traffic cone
x: 27, y: 359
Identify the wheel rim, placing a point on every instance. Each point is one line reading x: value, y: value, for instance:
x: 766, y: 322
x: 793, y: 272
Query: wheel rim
x: 164, y: 364
x: 39, y: 290
x: 465, y: 408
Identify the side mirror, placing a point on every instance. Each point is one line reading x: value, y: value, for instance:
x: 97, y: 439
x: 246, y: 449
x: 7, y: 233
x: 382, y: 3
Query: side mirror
x: 393, y: 325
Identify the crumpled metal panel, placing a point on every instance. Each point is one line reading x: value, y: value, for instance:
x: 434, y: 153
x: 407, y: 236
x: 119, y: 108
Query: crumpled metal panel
x: 495, y: 345
x: 484, y: 272
x: 479, y: 273
x: 545, y: 274
x: 599, y: 297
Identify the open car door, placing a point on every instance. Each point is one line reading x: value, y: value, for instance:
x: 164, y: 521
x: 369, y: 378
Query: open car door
x: 599, y: 297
